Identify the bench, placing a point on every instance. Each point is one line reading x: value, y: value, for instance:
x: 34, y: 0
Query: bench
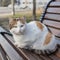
x: 51, y: 18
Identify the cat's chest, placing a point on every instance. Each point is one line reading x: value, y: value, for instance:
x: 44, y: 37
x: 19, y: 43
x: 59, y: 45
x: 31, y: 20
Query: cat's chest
x: 24, y: 38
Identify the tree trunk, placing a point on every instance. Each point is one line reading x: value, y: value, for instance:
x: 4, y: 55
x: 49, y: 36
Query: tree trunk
x: 13, y: 9
x: 34, y: 9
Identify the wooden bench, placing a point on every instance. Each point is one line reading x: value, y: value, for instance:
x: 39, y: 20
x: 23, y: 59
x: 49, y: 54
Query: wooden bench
x: 51, y: 18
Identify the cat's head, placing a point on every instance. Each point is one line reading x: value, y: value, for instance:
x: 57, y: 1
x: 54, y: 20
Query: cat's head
x: 17, y: 25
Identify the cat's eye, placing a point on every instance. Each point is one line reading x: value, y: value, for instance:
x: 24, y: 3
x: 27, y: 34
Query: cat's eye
x: 21, y: 25
x: 15, y: 26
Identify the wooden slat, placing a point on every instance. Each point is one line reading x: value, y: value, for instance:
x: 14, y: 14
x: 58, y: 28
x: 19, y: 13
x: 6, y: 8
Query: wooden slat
x: 56, y: 56
x: 55, y: 31
x: 58, y: 53
x: 56, y: 4
x: 52, y: 17
x: 52, y: 23
x: 45, y: 57
x: 53, y: 57
x: 13, y: 55
x: 53, y: 10
x: 34, y: 56
x: 3, y: 54
x: 31, y: 55
x: 0, y: 57
x: 53, y: 26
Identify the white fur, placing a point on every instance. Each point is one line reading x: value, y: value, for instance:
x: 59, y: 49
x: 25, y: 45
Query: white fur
x: 33, y: 37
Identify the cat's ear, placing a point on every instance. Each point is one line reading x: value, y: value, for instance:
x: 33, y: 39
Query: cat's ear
x: 11, y: 19
x: 24, y: 18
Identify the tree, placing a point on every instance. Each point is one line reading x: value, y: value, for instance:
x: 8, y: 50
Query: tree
x: 34, y: 9
x: 13, y: 9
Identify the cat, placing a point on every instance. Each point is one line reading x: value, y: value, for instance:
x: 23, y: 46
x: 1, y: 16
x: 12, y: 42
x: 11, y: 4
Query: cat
x: 33, y: 35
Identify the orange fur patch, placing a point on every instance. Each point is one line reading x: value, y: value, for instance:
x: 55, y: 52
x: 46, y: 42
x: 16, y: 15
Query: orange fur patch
x: 48, y: 38
x: 12, y: 23
x: 22, y: 21
x: 39, y: 25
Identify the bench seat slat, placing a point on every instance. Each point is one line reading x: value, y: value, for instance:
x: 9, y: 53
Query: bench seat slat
x: 55, y: 31
x: 1, y: 57
x: 52, y: 16
x: 53, y: 57
x: 9, y: 49
x: 45, y: 57
x: 52, y: 23
x: 31, y: 55
x: 58, y: 53
x: 3, y: 54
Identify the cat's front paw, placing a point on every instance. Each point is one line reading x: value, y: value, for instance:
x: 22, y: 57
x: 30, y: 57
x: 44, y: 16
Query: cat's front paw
x: 16, y: 44
x: 21, y: 46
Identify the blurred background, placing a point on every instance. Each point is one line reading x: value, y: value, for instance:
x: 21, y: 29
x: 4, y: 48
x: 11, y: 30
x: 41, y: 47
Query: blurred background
x: 32, y: 9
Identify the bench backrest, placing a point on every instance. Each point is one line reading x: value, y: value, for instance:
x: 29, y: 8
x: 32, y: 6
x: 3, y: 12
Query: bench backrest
x: 51, y: 17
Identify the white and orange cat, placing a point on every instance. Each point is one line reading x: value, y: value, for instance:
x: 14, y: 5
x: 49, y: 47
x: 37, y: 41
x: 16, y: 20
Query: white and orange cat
x: 32, y: 35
